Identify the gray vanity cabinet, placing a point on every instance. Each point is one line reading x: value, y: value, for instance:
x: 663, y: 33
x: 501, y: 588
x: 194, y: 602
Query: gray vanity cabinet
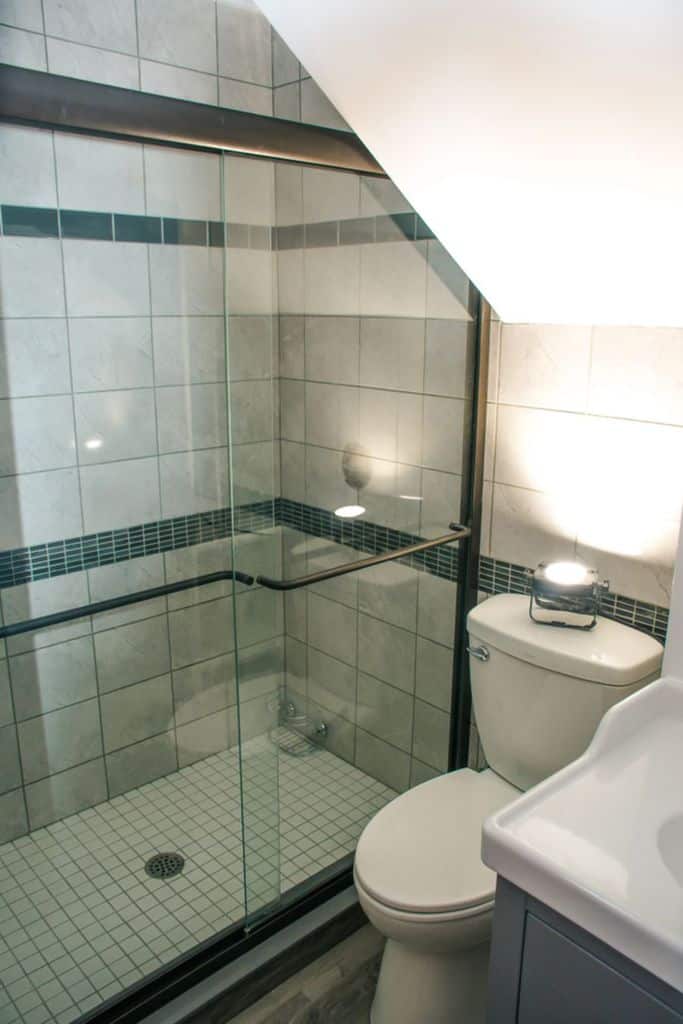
x: 546, y: 970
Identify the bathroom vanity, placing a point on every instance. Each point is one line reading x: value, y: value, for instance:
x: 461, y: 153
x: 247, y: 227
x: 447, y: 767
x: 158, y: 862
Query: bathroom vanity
x: 588, y: 921
x: 546, y: 970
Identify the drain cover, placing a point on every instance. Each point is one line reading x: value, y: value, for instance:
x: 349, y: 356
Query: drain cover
x: 165, y: 865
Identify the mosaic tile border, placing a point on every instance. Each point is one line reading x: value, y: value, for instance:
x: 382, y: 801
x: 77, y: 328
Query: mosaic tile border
x: 50, y: 222
x: 58, y: 558
x: 44, y: 222
x: 500, y: 577
x: 363, y: 535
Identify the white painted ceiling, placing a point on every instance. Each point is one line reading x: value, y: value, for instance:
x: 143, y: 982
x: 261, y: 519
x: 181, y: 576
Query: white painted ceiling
x: 542, y: 140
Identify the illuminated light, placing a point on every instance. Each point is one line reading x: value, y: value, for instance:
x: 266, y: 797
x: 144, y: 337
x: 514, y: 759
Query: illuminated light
x: 349, y: 511
x: 567, y: 573
x: 94, y: 442
x: 410, y: 497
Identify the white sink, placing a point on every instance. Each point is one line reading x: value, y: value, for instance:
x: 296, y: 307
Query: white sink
x: 601, y: 842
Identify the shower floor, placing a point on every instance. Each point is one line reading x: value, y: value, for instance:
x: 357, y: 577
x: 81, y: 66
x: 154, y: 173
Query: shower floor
x: 80, y: 919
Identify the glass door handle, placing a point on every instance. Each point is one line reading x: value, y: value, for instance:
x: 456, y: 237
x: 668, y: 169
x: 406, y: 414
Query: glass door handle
x: 120, y: 602
x: 365, y: 563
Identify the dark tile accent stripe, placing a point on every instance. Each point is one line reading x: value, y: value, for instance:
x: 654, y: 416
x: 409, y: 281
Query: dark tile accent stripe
x: 30, y: 221
x: 132, y: 228
x: 395, y: 227
x: 238, y: 236
x: 43, y: 561
x: 324, y: 233
x: 216, y: 234
x: 290, y: 236
x: 83, y: 224
x: 422, y: 230
x: 359, y: 231
x: 499, y: 577
x: 37, y: 222
x: 184, y: 232
x: 366, y: 536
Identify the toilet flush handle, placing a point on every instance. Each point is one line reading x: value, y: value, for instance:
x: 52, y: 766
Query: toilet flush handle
x: 480, y: 653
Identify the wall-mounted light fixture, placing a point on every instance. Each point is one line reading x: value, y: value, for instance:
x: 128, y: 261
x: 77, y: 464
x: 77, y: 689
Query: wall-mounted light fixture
x: 566, y: 594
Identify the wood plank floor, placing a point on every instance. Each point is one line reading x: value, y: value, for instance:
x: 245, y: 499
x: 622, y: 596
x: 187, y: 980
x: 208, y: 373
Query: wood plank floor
x: 335, y: 989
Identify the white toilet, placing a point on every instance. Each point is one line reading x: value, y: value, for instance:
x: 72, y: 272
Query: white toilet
x: 539, y: 693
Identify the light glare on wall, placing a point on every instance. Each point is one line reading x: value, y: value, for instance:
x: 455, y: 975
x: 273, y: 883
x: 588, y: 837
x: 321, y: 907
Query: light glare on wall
x: 349, y: 511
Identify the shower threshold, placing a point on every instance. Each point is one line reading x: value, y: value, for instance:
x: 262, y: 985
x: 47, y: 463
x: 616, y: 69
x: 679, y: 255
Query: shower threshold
x: 81, y: 918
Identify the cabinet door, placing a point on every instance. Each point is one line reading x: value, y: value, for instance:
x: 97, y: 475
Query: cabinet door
x: 563, y: 984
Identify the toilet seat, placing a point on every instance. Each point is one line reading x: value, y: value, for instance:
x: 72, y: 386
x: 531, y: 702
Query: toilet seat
x: 419, y: 858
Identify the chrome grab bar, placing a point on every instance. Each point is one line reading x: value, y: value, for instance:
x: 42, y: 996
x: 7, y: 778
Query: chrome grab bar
x: 365, y: 563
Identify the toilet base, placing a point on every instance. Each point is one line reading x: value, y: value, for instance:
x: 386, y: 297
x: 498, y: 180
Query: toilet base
x: 431, y: 988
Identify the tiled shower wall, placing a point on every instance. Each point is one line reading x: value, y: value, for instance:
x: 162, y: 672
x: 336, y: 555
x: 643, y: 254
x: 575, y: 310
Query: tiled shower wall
x: 113, y: 383
x: 584, y: 448
x: 375, y: 364
x: 220, y: 52
x: 208, y: 51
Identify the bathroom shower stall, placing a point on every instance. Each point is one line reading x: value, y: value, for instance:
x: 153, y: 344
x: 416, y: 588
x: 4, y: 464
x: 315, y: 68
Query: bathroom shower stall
x: 229, y: 383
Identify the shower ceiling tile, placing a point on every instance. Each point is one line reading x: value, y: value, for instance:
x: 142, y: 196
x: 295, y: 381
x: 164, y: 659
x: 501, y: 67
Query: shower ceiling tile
x: 181, y: 32
x: 111, y: 25
x: 244, y: 42
x: 163, y: 80
x: 255, y: 99
x: 91, y: 64
x: 24, y: 49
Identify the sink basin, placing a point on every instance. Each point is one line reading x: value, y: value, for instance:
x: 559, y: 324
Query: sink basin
x: 601, y: 841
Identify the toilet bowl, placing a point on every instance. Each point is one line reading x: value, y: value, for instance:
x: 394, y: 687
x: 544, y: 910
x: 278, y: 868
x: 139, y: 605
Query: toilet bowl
x: 422, y: 884
x: 538, y: 695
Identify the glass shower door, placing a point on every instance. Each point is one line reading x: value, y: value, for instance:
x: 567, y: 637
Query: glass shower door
x: 251, y: 356
x: 121, y: 703
x: 351, y: 356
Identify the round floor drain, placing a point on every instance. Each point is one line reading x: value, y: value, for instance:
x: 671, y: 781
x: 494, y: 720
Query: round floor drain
x: 165, y: 865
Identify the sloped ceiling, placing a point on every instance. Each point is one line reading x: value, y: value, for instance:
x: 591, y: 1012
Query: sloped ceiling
x: 542, y: 140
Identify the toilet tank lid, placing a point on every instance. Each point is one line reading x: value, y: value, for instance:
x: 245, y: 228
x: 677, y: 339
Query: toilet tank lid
x: 611, y: 653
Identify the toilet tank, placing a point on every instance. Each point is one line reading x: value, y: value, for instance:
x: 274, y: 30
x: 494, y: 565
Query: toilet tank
x: 539, y: 695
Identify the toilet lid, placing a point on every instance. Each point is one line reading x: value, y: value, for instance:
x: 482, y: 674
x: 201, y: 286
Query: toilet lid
x: 422, y: 852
